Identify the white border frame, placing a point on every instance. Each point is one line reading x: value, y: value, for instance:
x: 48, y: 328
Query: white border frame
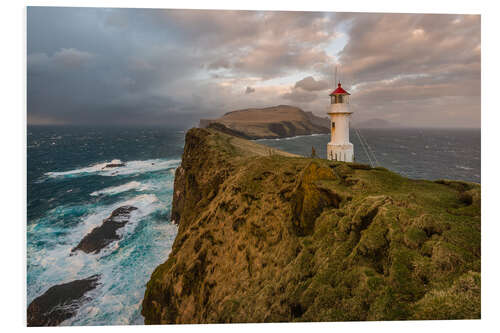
x: 13, y: 250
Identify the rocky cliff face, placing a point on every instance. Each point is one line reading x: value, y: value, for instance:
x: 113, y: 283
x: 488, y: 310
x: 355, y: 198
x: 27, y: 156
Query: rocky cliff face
x: 268, y: 123
x: 265, y: 236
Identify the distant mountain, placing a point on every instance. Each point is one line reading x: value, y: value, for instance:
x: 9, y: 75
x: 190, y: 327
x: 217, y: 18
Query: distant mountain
x: 319, y: 121
x: 375, y: 123
x: 268, y: 123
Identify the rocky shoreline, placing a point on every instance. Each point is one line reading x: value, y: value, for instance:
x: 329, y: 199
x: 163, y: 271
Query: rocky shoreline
x: 62, y: 301
x: 103, y: 235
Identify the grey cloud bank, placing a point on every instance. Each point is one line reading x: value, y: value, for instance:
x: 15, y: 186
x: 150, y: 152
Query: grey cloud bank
x: 161, y: 67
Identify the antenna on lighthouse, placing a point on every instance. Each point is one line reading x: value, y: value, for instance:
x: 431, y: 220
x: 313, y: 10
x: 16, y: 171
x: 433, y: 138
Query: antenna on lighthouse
x: 335, y: 82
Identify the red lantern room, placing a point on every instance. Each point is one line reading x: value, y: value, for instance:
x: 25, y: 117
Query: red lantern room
x: 339, y: 95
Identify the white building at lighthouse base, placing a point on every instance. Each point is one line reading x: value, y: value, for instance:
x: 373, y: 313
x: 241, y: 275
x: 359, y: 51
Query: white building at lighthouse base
x: 336, y: 152
x: 339, y: 148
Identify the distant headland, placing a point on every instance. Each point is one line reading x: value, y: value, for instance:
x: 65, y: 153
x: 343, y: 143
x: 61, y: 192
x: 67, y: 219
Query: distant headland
x: 274, y: 122
x: 281, y: 121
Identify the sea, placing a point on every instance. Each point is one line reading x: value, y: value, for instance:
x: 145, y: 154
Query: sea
x: 415, y: 153
x: 69, y: 193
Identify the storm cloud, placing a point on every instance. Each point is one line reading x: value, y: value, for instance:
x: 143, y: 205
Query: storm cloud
x: 153, y: 66
x: 310, y: 84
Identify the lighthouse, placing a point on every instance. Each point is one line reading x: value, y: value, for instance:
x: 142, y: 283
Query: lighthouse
x: 339, y: 148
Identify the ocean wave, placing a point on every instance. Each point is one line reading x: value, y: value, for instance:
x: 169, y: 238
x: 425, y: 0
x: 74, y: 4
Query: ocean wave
x: 131, y: 167
x: 134, y: 185
x: 302, y: 136
x: 293, y: 137
x: 119, y: 299
x: 52, y: 263
x: 146, y: 204
x: 462, y: 167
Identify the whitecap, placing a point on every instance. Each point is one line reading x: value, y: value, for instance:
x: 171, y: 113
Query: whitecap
x: 131, y: 167
x: 133, y: 185
x: 54, y: 264
x: 145, y: 204
x: 462, y: 167
x: 292, y: 137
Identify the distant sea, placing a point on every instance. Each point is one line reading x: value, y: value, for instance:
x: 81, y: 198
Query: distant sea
x: 69, y: 194
x: 415, y: 153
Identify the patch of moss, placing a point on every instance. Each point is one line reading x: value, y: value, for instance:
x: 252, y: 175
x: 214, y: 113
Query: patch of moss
x: 460, y: 301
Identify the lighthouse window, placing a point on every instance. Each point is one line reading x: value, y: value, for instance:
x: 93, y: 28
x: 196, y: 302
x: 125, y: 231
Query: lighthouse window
x: 340, y: 99
x: 333, y: 124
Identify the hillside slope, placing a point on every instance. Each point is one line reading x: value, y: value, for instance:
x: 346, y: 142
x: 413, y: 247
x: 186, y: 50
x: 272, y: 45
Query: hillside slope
x: 269, y: 237
x: 268, y: 123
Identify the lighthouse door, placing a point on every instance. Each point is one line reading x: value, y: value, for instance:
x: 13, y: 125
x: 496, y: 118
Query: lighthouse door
x: 333, y: 130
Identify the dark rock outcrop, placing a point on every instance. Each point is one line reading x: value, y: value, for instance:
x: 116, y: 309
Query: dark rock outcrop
x: 104, y: 234
x: 60, y: 302
x: 114, y: 165
x: 268, y: 237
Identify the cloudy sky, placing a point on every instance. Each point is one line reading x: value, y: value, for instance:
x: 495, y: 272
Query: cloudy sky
x: 151, y: 66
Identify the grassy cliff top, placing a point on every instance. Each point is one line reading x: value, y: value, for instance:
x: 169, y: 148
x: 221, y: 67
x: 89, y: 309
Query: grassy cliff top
x: 266, y: 236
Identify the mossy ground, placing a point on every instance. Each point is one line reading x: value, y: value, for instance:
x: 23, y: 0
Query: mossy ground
x: 265, y: 236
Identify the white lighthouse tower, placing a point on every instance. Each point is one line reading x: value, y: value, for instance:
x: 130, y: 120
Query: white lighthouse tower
x: 339, y: 148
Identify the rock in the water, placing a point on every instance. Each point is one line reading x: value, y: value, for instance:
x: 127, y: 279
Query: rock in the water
x: 60, y: 302
x: 104, y: 234
x: 114, y: 164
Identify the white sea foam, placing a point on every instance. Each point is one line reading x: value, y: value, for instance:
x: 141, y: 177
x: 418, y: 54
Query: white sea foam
x: 145, y: 204
x: 54, y: 264
x: 462, y: 167
x: 131, y: 167
x: 293, y: 137
x: 134, y: 185
x: 115, y: 302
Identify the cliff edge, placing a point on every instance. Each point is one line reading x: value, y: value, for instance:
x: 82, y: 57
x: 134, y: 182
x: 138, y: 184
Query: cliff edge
x: 266, y: 236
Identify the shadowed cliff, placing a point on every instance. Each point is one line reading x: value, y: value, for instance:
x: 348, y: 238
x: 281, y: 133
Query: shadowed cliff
x: 266, y: 236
